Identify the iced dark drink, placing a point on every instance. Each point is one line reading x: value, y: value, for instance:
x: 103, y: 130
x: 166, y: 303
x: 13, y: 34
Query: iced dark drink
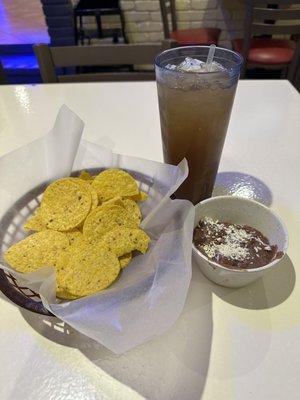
x: 195, y: 102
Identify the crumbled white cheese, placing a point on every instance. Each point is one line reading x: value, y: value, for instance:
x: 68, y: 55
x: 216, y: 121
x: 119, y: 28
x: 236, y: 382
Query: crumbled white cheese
x: 233, y: 245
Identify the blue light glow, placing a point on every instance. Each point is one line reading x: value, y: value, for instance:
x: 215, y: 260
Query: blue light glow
x: 19, y: 61
x: 15, y: 34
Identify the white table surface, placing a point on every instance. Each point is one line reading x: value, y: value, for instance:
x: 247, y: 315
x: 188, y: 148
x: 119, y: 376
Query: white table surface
x: 228, y: 343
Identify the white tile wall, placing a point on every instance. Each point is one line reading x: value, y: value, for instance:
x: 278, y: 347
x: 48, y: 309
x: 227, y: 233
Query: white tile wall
x: 143, y: 18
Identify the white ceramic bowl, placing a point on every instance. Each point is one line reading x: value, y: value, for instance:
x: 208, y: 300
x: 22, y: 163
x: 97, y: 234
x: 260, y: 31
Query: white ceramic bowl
x: 238, y: 210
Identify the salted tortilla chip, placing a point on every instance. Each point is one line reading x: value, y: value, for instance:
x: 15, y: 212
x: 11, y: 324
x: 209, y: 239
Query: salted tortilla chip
x: 37, y: 250
x: 94, y: 195
x: 141, y: 196
x: 129, y: 205
x: 86, y: 186
x: 85, y: 270
x: 86, y: 176
x: 108, y: 206
x: 124, y: 240
x: 35, y: 222
x: 114, y: 182
x: 64, y: 294
x: 133, y: 209
x: 125, y: 260
x: 74, y: 237
x: 116, y: 201
x: 102, y: 220
x: 65, y: 204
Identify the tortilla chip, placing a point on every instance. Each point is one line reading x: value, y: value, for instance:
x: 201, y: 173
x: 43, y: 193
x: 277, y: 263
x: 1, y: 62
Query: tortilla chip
x: 35, y: 222
x: 125, y: 260
x: 133, y: 209
x: 102, y: 220
x: 65, y: 204
x: 141, y: 196
x: 124, y: 240
x: 85, y: 270
x: 38, y: 250
x: 87, y: 187
x: 114, y: 182
x: 74, y: 237
x: 64, y: 294
x: 116, y: 201
x: 86, y: 176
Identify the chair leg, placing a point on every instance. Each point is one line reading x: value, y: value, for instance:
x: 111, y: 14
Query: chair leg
x: 123, y: 26
x: 115, y: 36
x: 99, y: 24
x: 243, y: 71
x: 81, y: 37
x: 291, y: 72
x: 284, y: 72
x: 81, y: 30
x: 76, y: 29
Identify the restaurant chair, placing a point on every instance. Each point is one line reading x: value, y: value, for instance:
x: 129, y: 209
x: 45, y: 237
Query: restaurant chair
x: 3, y: 79
x: 59, y: 17
x: 267, y: 51
x: 98, y: 9
x: 52, y: 58
x: 185, y: 37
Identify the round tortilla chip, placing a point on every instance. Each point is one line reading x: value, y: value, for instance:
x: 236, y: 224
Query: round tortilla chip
x: 104, y: 219
x: 114, y: 182
x: 141, y: 196
x: 85, y: 185
x: 36, y: 251
x: 95, y: 200
x: 124, y: 240
x: 125, y: 260
x: 63, y: 294
x: 65, y: 204
x: 35, y: 222
x: 85, y: 270
x: 86, y: 176
x: 133, y: 209
x: 115, y: 201
x: 108, y: 206
x: 74, y: 237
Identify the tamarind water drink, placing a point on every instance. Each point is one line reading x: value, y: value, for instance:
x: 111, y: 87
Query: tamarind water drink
x: 195, y: 102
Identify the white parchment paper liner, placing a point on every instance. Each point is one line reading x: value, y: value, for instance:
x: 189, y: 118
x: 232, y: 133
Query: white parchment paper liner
x: 150, y: 294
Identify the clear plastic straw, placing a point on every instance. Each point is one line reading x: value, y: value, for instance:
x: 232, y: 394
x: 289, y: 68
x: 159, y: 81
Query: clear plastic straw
x: 210, y: 56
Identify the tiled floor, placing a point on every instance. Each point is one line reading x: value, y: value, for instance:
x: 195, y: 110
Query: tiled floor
x: 22, y: 22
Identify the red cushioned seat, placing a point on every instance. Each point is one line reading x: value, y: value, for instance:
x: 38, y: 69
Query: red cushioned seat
x: 202, y: 36
x: 267, y: 51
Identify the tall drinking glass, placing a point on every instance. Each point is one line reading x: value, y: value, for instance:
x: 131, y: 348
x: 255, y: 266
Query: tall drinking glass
x: 195, y: 102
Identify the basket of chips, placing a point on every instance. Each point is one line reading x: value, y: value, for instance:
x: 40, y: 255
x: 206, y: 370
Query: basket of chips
x: 93, y: 237
x: 48, y: 231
